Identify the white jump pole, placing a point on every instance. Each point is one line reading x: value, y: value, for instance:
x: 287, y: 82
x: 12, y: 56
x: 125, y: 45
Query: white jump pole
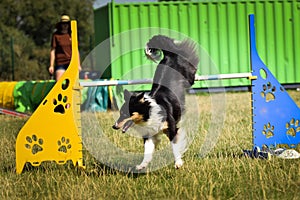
x: 149, y: 81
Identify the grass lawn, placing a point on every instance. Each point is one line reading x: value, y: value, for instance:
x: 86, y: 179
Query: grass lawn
x: 220, y: 173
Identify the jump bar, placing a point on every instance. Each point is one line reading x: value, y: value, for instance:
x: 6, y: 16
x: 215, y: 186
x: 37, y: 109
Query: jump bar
x: 149, y: 81
x: 223, y: 76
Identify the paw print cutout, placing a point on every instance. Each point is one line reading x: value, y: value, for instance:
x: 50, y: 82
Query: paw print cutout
x: 268, y: 130
x: 64, y: 145
x: 34, y: 144
x: 268, y: 92
x: 293, y: 127
x: 61, y: 104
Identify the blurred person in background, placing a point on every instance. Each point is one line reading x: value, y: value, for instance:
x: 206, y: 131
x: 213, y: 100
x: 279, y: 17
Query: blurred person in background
x: 61, y: 48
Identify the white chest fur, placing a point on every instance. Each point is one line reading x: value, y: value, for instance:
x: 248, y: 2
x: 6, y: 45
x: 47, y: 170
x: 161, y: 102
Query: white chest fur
x: 155, y: 123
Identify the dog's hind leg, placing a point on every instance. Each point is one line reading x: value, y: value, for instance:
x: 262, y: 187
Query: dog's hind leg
x: 149, y: 147
x: 179, y: 144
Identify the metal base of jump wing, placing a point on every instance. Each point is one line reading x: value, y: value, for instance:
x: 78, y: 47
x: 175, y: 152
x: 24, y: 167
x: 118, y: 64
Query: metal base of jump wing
x: 276, y: 117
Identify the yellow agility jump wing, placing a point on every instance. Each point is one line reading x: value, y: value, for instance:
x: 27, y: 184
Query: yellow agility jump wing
x: 53, y: 132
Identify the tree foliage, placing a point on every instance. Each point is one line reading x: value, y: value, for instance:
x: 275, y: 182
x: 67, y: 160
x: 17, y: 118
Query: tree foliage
x: 26, y: 27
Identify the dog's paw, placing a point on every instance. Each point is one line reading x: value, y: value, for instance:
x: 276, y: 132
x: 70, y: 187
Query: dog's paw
x: 141, y: 166
x: 178, y: 163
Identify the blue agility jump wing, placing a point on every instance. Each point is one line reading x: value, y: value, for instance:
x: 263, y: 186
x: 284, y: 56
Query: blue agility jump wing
x: 276, y: 117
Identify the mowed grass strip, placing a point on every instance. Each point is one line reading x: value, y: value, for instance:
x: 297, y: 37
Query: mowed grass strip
x: 219, y: 174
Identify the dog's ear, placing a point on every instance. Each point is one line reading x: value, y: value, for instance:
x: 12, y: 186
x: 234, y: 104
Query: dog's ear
x: 127, y: 95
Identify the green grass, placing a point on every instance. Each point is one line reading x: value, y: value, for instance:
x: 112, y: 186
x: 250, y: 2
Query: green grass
x: 221, y: 174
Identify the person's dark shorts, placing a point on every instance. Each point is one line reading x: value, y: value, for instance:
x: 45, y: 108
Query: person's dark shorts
x: 63, y: 67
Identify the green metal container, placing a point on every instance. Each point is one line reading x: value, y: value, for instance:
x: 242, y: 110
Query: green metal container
x: 219, y: 27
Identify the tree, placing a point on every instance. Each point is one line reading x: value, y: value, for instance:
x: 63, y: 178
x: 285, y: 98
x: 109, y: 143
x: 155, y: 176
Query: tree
x: 30, y: 24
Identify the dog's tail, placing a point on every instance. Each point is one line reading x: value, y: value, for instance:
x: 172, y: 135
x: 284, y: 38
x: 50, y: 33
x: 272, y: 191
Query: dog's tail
x: 159, y: 43
x: 185, y: 51
x: 189, y: 60
x: 188, y: 51
x: 185, y: 48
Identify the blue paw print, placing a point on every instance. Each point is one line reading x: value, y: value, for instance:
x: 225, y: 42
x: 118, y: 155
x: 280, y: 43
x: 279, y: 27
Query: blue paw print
x: 268, y: 130
x: 268, y: 92
x: 293, y: 127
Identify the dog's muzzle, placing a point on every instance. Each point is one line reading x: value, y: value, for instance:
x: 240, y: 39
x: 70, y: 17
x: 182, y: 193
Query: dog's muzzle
x: 125, y: 127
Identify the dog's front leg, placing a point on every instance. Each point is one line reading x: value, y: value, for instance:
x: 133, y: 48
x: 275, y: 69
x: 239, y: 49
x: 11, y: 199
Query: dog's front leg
x: 149, y: 147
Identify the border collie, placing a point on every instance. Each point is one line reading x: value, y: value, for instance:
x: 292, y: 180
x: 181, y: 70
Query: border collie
x: 163, y: 107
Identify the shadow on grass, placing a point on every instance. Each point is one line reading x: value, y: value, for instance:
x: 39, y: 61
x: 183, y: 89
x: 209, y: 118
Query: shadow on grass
x: 96, y: 169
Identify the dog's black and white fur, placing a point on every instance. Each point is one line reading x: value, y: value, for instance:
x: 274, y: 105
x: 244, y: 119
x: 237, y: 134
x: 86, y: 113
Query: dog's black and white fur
x: 162, y: 109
